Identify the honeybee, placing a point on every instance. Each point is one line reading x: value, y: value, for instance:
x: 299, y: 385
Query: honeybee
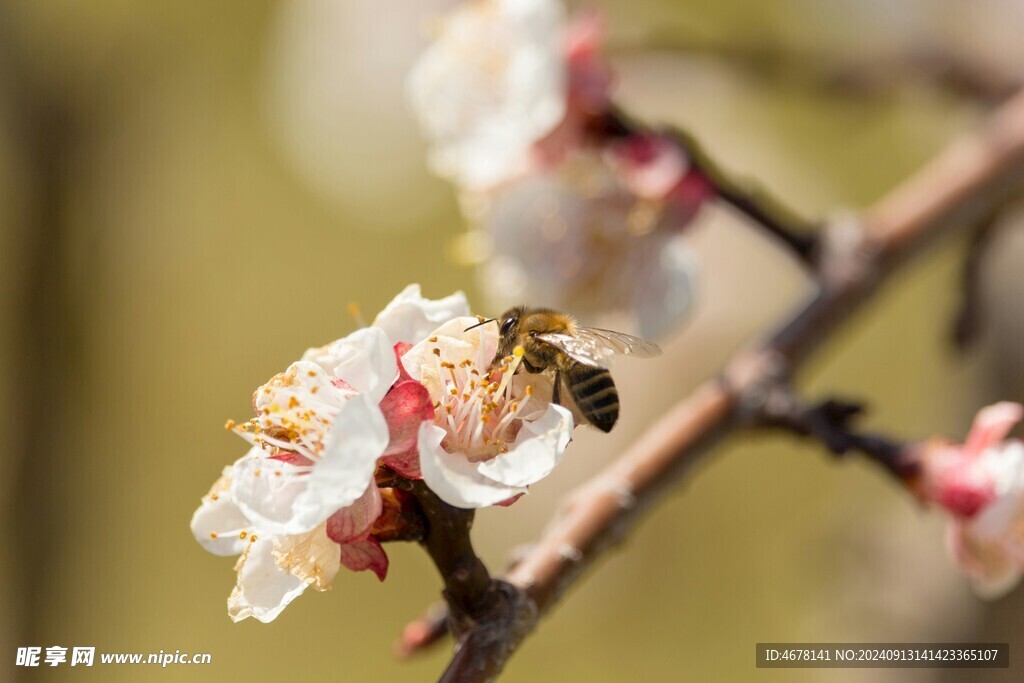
x: 577, y: 355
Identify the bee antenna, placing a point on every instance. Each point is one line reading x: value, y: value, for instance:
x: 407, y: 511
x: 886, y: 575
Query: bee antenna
x: 482, y: 322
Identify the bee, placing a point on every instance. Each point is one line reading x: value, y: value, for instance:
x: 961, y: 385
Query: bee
x: 577, y: 355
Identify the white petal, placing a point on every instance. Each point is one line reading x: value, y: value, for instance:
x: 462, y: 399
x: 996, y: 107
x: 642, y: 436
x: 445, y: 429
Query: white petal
x: 364, y: 359
x: 538, y: 447
x: 410, y: 317
x: 217, y: 522
x: 478, y: 345
x: 368, y: 363
x: 453, y: 478
x: 1000, y: 517
x: 312, y: 557
x: 666, y: 298
x: 492, y: 85
x: 293, y: 504
x: 263, y: 589
x: 265, y: 490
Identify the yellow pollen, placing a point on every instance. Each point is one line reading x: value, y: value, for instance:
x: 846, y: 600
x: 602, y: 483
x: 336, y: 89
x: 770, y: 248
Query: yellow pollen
x: 437, y: 352
x: 314, y: 390
x: 519, y: 352
x: 278, y: 473
x: 432, y: 339
x: 515, y: 406
x: 256, y: 473
x: 230, y: 424
x: 213, y: 534
x: 214, y: 496
x: 453, y: 391
x: 292, y: 402
x: 311, y: 373
x: 243, y: 534
x: 266, y: 390
x: 252, y: 539
x: 529, y: 390
x: 274, y: 408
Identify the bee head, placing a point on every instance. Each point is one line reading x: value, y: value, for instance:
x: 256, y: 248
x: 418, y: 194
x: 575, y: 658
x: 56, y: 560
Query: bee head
x: 509, y: 322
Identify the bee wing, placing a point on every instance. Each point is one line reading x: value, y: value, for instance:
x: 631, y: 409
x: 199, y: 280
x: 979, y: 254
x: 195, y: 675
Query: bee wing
x: 620, y: 342
x: 593, y: 346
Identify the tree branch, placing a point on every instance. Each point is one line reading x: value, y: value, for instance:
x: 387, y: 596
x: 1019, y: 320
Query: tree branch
x: 799, y: 236
x: 958, y: 188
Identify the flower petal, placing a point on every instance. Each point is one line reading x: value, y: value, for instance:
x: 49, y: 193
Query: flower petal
x: 410, y: 317
x: 295, y: 502
x: 365, y: 360
x: 493, y: 84
x: 538, y: 447
x: 453, y: 478
x: 353, y: 522
x: 991, y: 426
x: 992, y: 572
x: 666, y: 298
x: 217, y: 522
x: 405, y: 407
x: 263, y: 589
x: 312, y: 557
x: 366, y: 554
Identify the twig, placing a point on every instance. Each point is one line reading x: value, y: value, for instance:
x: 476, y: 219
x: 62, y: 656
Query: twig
x: 830, y: 423
x: 766, y: 212
x: 973, y: 175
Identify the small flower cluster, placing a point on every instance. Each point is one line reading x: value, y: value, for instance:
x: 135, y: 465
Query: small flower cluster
x: 411, y: 395
x: 980, y: 483
x: 569, y: 210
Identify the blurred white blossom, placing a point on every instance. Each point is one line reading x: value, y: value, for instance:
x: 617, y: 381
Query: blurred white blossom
x: 578, y: 238
x: 491, y: 85
x: 565, y: 210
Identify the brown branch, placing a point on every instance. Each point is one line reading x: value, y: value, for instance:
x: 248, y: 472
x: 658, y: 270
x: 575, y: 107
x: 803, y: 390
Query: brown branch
x: 973, y: 175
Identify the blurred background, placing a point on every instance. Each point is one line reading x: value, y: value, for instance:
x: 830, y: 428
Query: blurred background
x: 192, y: 193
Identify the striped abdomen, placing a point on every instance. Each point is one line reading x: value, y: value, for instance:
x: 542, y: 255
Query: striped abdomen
x: 594, y: 393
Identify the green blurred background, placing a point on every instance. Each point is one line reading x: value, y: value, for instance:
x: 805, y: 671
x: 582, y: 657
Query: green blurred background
x: 192, y: 193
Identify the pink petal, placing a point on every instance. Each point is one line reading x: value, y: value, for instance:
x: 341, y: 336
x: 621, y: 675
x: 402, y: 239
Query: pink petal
x: 405, y: 407
x: 651, y: 165
x: 354, y: 522
x: 690, y: 193
x: 590, y: 78
x: 365, y: 554
x: 964, y: 490
x: 508, y: 502
x: 401, y: 348
x: 292, y: 458
x: 991, y: 425
x: 406, y: 464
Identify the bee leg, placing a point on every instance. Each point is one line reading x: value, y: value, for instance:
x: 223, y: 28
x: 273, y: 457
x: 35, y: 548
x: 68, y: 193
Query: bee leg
x: 555, y: 392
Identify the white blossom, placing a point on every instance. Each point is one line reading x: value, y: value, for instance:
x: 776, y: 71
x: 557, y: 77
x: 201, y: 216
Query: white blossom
x: 493, y: 435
